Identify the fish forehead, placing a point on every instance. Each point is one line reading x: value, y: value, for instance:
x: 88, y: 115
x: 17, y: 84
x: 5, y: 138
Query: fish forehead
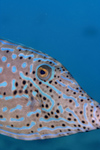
x: 34, y: 109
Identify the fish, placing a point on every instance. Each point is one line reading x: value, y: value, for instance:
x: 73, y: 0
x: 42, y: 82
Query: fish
x: 39, y: 98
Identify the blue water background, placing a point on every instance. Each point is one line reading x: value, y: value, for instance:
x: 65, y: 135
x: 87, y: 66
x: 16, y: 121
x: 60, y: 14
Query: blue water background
x: 68, y: 30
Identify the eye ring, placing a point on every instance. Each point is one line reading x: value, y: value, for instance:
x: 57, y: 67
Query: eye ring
x: 44, y: 72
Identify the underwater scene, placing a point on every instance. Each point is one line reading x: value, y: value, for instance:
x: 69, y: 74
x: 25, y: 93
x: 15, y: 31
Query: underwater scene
x: 68, y: 31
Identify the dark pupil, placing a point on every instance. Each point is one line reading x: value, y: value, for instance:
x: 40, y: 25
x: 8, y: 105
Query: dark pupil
x: 42, y: 72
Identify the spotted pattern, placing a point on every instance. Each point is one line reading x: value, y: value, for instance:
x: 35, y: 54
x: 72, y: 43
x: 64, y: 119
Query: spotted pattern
x: 39, y: 98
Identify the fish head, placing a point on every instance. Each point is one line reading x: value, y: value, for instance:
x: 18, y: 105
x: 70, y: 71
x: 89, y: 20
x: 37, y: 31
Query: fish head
x: 39, y: 98
x: 65, y: 99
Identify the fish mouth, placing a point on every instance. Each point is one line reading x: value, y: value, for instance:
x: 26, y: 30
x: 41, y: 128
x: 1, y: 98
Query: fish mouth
x: 96, y: 115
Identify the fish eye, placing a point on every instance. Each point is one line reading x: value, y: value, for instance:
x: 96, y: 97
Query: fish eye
x: 44, y: 72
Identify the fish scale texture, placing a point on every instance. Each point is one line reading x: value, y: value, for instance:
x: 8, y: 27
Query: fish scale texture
x: 39, y: 98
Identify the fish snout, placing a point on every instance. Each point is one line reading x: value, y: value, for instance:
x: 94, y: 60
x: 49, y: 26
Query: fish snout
x: 96, y: 116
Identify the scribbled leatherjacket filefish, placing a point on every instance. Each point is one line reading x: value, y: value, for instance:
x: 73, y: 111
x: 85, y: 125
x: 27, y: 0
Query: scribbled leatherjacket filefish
x: 39, y: 98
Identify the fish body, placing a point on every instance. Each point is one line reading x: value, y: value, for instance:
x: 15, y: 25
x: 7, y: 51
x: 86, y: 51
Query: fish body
x: 39, y: 98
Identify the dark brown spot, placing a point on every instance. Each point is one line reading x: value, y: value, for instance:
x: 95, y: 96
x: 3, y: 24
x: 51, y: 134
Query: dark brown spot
x: 24, y: 82
x: 16, y: 84
x: 27, y: 124
x: 50, y: 81
x: 81, y: 112
x: 15, y: 92
x: 67, y: 90
x: 52, y: 112
x: 33, y: 72
x: 30, y: 84
x: 57, y: 111
x: 26, y: 73
x: 20, y: 91
x: 69, y: 119
x: 21, y: 57
x: 40, y: 82
x: 1, y: 116
x: 63, y: 125
x: 74, y: 92
x: 7, y: 51
x: 83, y: 121
x: 56, y: 116
x: 52, y: 126
x: 26, y: 91
x: 81, y: 100
x: 29, y: 57
x: 44, y: 98
x: 42, y: 105
x: 37, y: 115
x: 46, y: 116
x: 70, y: 101
x: 17, y: 116
x: 93, y: 121
x: 40, y: 125
x: 50, y: 90
x: 47, y: 106
x: 4, y: 93
x: 70, y: 114
x: 34, y: 79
